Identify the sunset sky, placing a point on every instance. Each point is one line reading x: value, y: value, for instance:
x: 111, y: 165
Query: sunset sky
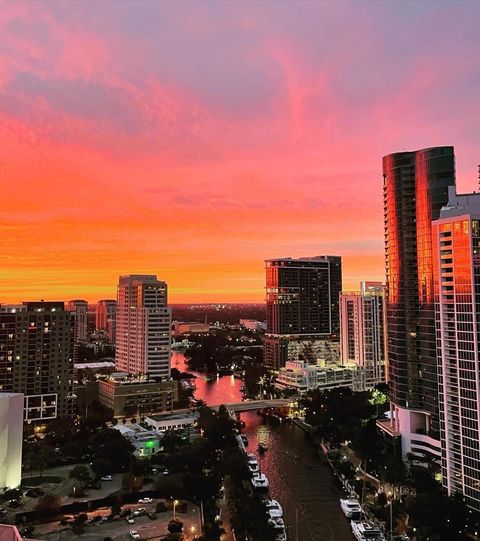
x: 192, y: 140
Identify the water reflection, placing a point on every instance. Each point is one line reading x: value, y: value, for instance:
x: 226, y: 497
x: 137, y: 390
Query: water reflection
x: 303, y: 485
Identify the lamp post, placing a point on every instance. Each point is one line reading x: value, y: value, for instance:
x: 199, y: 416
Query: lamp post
x: 175, y: 502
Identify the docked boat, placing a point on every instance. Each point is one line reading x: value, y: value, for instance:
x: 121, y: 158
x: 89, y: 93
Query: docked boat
x: 366, y: 531
x: 277, y: 523
x: 274, y: 509
x: 253, y: 468
x: 260, y: 481
x: 351, y: 508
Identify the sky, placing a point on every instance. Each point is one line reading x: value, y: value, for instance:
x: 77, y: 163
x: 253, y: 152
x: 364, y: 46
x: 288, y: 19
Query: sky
x: 193, y: 140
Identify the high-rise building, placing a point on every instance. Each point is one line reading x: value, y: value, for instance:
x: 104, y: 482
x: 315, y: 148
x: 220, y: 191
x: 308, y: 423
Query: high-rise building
x: 11, y: 436
x: 143, y: 326
x: 302, y: 303
x: 456, y: 248
x: 106, y: 318
x: 362, y: 326
x: 36, y: 357
x: 80, y: 310
x: 415, y: 188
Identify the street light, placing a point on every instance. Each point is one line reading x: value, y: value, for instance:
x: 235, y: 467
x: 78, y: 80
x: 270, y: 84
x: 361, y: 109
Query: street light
x: 175, y: 502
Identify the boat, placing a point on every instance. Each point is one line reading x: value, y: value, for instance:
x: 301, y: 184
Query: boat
x: 351, y: 508
x: 366, y: 531
x: 281, y: 536
x: 251, y: 456
x: 253, y: 468
x: 274, y: 509
x: 261, y: 448
x: 277, y: 523
x: 260, y: 481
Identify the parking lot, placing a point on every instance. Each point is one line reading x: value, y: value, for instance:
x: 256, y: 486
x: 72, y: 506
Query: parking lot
x: 118, y: 529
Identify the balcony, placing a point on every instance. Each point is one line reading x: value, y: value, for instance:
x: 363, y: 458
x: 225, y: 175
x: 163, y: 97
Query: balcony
x: 388, y: 426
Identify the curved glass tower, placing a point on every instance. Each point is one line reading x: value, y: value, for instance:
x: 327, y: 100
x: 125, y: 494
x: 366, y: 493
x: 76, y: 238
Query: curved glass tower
x: 415, y: 189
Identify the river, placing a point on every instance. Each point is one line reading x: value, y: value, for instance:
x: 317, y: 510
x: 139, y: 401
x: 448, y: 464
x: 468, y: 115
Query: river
x: 298, y: 480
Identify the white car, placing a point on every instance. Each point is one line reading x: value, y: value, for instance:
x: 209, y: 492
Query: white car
x: 134, y: 534
x: 130, y: 520
x: 145, y: 500
x: 107, y: 478
x: 139, y: 511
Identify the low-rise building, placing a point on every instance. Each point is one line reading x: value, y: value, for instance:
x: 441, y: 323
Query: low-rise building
x: 11, y: 439
x: 146, y: 442
x: 302, y: 377
x: 172, y: 421
x: 253, y: 324
x: 136, y: 396
x: 190, y: 327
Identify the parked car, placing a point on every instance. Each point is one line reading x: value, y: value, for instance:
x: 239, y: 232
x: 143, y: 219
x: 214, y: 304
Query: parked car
x: 152, y: 515
x: 130, y: 519
x: 14, y: 504
x: 139, y: 512
x: 107, y: 478
x: 134, y: 534
x: 145, y: 500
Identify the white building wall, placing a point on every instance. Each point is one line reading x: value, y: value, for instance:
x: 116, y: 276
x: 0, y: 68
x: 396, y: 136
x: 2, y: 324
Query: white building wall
x: 11, y: 439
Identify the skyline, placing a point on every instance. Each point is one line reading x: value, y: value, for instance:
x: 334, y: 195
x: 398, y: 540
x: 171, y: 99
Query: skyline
x: 195, y: 140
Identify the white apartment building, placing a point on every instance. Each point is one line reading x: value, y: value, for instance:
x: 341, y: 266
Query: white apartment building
x: 362, y: 326
x: 456, y: 258
x: 302, y: 377
x: 11, y: 439
x: 143, y: 340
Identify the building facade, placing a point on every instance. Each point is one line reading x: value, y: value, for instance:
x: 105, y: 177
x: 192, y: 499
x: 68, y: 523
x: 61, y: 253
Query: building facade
x: 362, y: 329
x: 143, y: 340
x: 80, y: 310
x: 11, y: 439
x: 126, y: 396
x: 106, y: 318
x: 302, y: 303
x: 456, y: 248
x: 415, y: 186
x: 36, y: 357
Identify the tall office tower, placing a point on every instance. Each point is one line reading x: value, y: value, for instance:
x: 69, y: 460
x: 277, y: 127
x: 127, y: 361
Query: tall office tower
x: 36, y: 357
x: 362, y: 326
x: 143, y: 326
x: 415, y: 186
x: 456, y: 248
x: 302, y: 304
x: 80, y: 309
x: 106, y: 318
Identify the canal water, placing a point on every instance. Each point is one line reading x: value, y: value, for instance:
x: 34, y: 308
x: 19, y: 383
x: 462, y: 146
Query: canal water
x: 305, y: 487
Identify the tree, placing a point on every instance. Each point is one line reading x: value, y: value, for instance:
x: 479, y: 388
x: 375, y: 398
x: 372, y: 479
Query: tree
x: 48, y: 504
x: 175, y: 526
x: 38, y: 457
x: 109, y: 444
x: 81, y: 474
x: 102, y: 466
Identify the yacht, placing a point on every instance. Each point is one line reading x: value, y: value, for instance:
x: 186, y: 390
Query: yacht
x: 351, y: 508
x: 274, y: 509
x: 366, y: 531
x: 260, y: 481
x: 281, y: 536
x: 277, y: 523
x: 253, y: 467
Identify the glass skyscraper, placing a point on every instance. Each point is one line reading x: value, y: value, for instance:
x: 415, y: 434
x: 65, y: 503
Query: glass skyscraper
x: 415, y: 189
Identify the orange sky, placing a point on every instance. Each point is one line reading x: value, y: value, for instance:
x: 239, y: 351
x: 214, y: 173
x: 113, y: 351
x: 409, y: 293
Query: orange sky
x: 193, y: 140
